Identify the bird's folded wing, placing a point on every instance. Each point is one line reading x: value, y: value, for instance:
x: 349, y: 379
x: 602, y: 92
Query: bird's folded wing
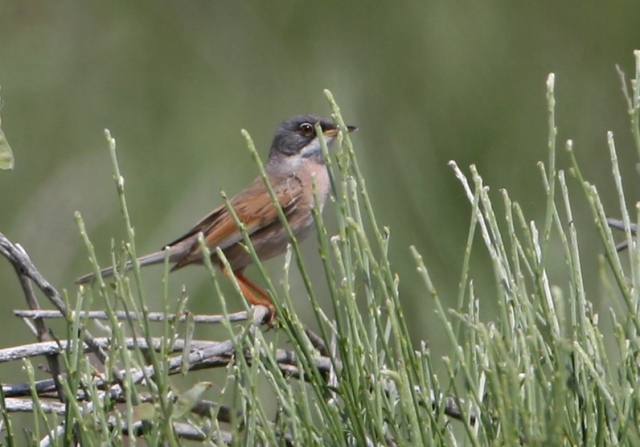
x: 254, y: 209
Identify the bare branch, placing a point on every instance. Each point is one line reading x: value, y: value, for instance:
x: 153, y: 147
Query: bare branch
x: 21, y: 262
x: 122, y: 316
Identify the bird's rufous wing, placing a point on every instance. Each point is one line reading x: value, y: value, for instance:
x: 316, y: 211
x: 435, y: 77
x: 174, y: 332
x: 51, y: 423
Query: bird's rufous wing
x: 253, y: 207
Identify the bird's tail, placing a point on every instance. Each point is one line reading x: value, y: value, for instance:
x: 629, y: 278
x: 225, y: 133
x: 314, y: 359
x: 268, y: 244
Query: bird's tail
x: 157, y: 257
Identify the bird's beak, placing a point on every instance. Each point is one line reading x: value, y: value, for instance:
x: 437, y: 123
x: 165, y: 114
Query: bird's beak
x: 330, y: 133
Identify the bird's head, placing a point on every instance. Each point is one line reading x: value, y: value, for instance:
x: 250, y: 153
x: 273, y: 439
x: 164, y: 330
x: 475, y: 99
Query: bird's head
x: 297, y: 138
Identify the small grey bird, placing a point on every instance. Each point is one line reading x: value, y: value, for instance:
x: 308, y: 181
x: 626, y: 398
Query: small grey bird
x: 295, y: 162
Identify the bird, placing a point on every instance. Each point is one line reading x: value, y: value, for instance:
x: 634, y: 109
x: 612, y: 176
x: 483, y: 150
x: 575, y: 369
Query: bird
x: 294, y: 164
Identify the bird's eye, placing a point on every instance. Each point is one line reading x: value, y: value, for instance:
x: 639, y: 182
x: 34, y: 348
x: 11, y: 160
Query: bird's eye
x: 306, y: 129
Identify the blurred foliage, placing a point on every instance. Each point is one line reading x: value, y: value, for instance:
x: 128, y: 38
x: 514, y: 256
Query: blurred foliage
x: 426, y: 82
x: 6, y: 155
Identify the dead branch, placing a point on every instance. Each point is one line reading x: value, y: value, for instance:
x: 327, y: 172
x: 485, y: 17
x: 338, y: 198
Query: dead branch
x: 122, y: 316
x: 23, y: 265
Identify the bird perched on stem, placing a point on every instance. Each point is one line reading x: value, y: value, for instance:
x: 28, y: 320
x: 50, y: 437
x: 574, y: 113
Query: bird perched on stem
x: 295, y: 162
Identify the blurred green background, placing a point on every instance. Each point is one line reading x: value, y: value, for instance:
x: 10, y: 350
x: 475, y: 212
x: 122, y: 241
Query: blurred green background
x: 425, y: 81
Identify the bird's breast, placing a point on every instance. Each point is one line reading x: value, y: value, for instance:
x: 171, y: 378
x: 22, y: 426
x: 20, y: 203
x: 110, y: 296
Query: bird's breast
x: 316, y: 174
